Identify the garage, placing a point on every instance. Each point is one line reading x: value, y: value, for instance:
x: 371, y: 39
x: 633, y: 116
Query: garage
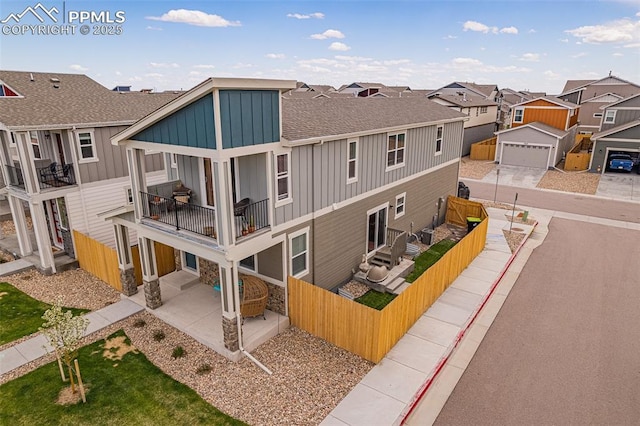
x: 516, y: 154
x: 616, y: 151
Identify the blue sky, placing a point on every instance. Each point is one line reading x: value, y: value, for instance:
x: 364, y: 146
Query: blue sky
x: 534, y: 45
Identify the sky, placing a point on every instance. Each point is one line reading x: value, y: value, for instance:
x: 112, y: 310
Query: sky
x: 423, y: 44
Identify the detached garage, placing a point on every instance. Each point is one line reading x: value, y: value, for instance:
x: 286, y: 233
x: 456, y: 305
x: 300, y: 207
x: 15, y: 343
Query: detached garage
x: 532, y: 145
x: 621, y: 139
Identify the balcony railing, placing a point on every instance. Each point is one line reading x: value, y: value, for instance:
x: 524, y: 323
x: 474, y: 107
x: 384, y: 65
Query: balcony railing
x: 15, y: 176
x: 252, y: 217
x: 56, y: 175
x: 180, y: 215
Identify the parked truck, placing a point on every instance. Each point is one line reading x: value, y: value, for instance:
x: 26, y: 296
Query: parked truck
x: 620, y: 162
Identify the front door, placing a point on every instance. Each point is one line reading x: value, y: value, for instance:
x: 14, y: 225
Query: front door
x: 376, y: 228
x: 208, y: 181
x: 60, y: 148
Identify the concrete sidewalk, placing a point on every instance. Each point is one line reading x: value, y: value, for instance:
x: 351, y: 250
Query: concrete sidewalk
x: 387, y: 392
x: 38, y: 346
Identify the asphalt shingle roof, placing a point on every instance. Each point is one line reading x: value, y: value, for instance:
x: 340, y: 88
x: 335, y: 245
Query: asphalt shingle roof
x: 314, y: 118
x: 77, y: 100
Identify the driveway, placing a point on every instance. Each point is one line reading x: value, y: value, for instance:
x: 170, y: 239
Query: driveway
x: 523, y: 177
x: 621, y: 186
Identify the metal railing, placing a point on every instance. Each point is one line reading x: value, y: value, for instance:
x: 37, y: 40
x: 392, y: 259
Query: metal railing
x: 56, y: 175
x: 15, y: 176
x: 252, y: 218
x: 180, y: 215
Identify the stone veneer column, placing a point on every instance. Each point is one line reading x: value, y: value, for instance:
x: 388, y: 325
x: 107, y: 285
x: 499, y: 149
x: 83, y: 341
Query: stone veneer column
x: 128, y: 281
x: 178, y: 259
x: 230, y: 333
x: 152, y: 293
x: 208, y: 271
x: 276, y: 300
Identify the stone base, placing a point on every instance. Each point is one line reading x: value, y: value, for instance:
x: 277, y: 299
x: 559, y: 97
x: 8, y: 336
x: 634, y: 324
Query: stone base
x: 178, y: 259
x: 208, y: 271
x: 230, y: 332
x: 276, y: 300
x: 152, y: 293
x: 128, y: 281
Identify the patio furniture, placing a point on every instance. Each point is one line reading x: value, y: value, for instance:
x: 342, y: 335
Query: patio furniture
x: 240, y: 207
x: 253, y: 300
x: 182, y: 195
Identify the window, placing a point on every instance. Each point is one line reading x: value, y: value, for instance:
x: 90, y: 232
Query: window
x: 128, y: 196
x: 597, y: 115
x: 35, y: 144
x: 439, y: 132
x: 483, y: 110
x: 395, y: 150
x: 376, y: 227
x: 518, y: 115
x: 400, y: 200
x: 352, y: 161
x: 174, y: 161
x: 249, y: 262
x: 6, y: 91
x: 87, y: 146
x: 283, y: 181
x: 610, y: 117
x: 299, y: 252
x: 62, y: 213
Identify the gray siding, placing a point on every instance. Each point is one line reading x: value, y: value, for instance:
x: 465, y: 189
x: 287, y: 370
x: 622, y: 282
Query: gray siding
x: 476, y: 134
x: 526, y: 135
x: 623, y: 116
x: 573, y: 97
x: 251, y: 172
x: 340, y: 236
x: 192, y: 125
x: 319, y: 172
x: 270, y: 262
x: 249, y: 117
x: 112, y: 160
x: 600, y: 151
x: 189, y: 168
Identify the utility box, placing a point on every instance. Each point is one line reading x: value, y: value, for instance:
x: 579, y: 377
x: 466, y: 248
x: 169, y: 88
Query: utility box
x: 426, y: 236
x: 472, y: 222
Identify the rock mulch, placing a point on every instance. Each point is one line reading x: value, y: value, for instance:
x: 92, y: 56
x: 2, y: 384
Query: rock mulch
x: 475, y: 169
x: 579, y: 182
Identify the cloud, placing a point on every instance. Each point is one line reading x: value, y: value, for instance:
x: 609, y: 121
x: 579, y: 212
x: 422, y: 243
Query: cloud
x: 478, y: 27
x: 530, y: 57
x: 118, y: 73
x: 618, y: 54
x: 532, y: 31
x: 316, y: 15
x: 241, y: 65
x: 509, y: 30
x: 194, y: 17
x: 204, y: 66
x: 564, y: 40
x: 352, y: 58
x: 163, y: 65
x: 449, y: 37
x: 328, y: 34
x: 551, y: 75
x: 579, y: 55
x: 466, y: 62
x: 77, y: 67
x: 336, y: 45
x: 620, y: 31
x: 154, y: 75
x: 150, y: 28
x: 275, y: 55
x: 475, y: 65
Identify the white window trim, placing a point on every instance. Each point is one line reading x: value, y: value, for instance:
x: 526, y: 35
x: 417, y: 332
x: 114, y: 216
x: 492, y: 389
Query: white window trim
x: 306, y: 252
x: 81, y: 159
x: 441, y: 138
x: 386, y: 225
x: 183, y: 260
x: 515, y: 115
x: 174, y: 160
x: 289, y: 198
x: 354, y: 160
x: 404, y: 156
x: 613, y: 117
x: 37, y: 138
x: 255, y: 264
x: 484, y: 110
x: 127, y: 191
x: 597, y: 115
x: 399, y: 197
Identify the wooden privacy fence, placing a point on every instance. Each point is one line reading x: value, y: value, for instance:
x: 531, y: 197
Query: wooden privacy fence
x: 484, y: 150
x: 459, y: 209
x: 579, y: 156
x: 102, y: 261
x: 371, y: 333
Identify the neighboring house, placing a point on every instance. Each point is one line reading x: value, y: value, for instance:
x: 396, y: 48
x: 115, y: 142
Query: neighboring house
x: 323, y: 181
x: 478, y: 102
x: 618, y: 132
x: 318, y: 88
x: 362, y: 90
x: 542, y: 131
x: 509, y: 98
x: 593, y: 95
x: 57, y: 159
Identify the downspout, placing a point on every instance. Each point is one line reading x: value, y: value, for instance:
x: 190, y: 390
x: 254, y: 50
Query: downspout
x: 236, y: 297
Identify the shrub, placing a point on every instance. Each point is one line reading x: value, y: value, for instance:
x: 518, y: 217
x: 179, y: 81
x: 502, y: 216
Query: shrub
x: 139, y: 323
x: 158, y: 335
x: 178, y: 352
x: 203, y: 369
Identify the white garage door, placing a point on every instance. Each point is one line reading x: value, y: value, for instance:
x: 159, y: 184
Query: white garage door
x: 525, y: 155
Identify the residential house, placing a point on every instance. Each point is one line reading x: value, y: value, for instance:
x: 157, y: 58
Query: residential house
x: 509, y: 98
x: 478, y: 102
x: 57, y: 159
x: 618, y: 133
x: 323, y: 181
x: 593, y: 95
x: 542, y: 131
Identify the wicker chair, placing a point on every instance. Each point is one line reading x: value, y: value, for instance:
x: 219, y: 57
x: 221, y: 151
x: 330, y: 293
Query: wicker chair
x: 254, y: 297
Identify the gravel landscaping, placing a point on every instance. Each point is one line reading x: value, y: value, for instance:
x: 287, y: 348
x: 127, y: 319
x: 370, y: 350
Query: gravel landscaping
x: 580, y: 182
x: 475, y: 169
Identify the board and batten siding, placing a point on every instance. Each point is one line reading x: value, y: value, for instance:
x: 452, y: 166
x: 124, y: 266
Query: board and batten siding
x: 476, y: 134
x: 340, y: 237
x: 249, y: 117
x: 84, y: 206
x: 191, y: 177
x: 251, y: 182
x: 112, y: 160
x: 623, y: 116
x: 191, y: 126
x: 599, y: 159
x: 319, y: 172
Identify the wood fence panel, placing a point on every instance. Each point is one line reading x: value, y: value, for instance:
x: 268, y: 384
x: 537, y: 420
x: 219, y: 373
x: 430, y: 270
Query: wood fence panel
x: 98, y: 259
x: 484, y: 150
x: 165, y: 261
x: 577, y: 161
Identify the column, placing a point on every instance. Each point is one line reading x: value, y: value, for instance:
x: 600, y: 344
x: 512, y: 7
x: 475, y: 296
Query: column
x: 20, y: 222
x: 42, y: 238
x: 150, y: 280
x: 137, y: 176
x: 125, y: 263
x: 229, y: 310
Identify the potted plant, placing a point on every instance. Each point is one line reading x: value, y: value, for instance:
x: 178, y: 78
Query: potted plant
x: 245, y: 231
x: 252, y: 225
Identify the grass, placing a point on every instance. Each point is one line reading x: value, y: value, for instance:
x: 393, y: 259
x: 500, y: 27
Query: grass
x: 427, y: 258
x: 125, y: 391
x: 21, y: 314
x: 375, y: 299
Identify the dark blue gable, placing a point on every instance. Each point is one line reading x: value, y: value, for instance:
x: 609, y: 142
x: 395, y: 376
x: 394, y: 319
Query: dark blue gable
x: 249, y: 117
x: 192, y: 125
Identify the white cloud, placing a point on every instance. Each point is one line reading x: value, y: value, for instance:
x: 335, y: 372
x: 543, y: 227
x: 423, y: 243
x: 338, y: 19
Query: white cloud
x: 118, y: 73
x: 449, y: 37
x: 316, y: 15
x: 579, y: 55
x: 620, y: 31
x: 475, y: 65
x: 336, y: 45
x: 352, y: 58
x: 241, y: 65
x: 530, y: 57
x: 509, y: 30
x: 328, y: 34
x: 478, y: 27
x: 194, y: 73
x: 154, y: 75
x: 163, y: 65
x: 150, y: 28
x: 396, y: 62
x: 564, y: 40
x: 77, y: 67
x: 466, y: 62
x: 532, y: 31
x: 551, y: 75
x: 194, y: 17
x: 618, y: 54
x: 275, y: 55
x: 204, y: 66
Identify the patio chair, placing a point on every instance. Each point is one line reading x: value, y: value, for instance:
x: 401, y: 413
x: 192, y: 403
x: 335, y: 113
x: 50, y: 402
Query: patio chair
x: 254, y: 297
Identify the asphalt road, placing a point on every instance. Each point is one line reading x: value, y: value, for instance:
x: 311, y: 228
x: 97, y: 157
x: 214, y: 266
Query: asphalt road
x: 560, y: 201
x: 565, y: 347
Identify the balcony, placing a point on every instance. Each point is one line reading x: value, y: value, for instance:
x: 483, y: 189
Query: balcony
x: 55, y: 175
x: 15, y: 177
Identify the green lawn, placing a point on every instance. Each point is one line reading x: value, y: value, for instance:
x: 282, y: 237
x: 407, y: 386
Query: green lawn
x: 427, y: 258
x: 375, y: 299
x: 21, y: 314
x: 129, y: 391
